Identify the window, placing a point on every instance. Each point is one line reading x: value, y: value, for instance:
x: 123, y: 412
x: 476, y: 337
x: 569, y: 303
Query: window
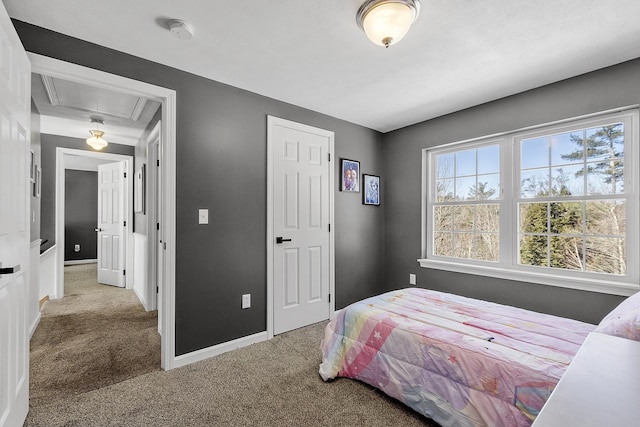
x: 556, y: 205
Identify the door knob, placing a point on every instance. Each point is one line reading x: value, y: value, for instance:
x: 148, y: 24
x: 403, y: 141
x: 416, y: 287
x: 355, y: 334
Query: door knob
x: 281, y: 240
x: 98, y: 229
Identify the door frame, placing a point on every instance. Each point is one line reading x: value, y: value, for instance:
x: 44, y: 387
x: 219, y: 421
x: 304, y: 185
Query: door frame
x: 271, y: 122
x: 61, y: 157
x: 152, y: 179
x: 56, y: 68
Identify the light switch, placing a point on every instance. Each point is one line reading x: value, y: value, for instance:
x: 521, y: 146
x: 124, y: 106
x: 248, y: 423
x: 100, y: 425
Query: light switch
x: 412, y: 279
x: 203, y: 216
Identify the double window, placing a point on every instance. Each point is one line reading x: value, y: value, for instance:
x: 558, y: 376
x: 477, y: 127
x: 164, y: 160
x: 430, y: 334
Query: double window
x: 556, y: 205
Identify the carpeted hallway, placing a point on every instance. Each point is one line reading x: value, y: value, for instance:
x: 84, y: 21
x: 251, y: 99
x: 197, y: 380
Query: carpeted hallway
x: 97, y: 335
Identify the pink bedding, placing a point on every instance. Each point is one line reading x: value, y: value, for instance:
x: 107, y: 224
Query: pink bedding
x: 459, y: 361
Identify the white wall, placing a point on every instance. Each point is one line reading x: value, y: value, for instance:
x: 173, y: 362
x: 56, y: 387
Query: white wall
x: 140, y: 268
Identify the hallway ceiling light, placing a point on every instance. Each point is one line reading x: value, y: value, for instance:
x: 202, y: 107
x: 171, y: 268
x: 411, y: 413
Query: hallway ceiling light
x: 96, y: 141
x: 386, y: 22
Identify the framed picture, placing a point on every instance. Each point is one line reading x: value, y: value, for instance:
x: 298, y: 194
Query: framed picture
x: 349, y: 175
x: 37, y: 184
x: 139, y: 190
x: 32, y: 166
x: 371, y: 190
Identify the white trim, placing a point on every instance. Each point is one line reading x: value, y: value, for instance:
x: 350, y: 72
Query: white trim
x: 65, y: 70
x: 271, y: 121
x: 80, y: 261
x: 216, y: 350
x: 586, y: 284
x: 154, y: 138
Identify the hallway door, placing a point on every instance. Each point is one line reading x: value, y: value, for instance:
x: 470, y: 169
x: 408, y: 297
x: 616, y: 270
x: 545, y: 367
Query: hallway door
x: 111, y: 223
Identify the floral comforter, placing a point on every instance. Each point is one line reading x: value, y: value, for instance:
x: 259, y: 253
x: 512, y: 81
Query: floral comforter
x: 457, y: 360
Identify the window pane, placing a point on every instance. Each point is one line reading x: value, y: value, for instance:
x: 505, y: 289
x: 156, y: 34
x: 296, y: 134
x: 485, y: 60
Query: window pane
x: 488, y: 247
x: 533, y: 250
x: 567, y: 148
x: 565, y: 218
x: 568, y: 181
x: 442, y: 218
x: 488, y: 217
x: 533, y: 217
x: 444, y: 190
x: 534, y: 153
x: 442, y: 244
x: 466, y: 188
x: 489, y: 159
x: 534, y: 183
x: 444, y: 165
x: 566, y: 253
x: 488, y: 187
x: 606, y: 217
x: 606, y: 177
x: 606, y: 255
x: 463, y: 245
x: 605, y: 142
x: 466, y: 162
x: 463, y: 218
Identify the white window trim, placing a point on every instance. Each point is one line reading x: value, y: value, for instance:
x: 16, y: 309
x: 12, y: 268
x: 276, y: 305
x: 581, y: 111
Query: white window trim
x: 593, y: 282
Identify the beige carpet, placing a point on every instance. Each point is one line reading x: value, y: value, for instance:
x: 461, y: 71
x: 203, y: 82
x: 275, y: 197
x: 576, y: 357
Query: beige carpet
x: 272, y: 383
x: 97, y: 335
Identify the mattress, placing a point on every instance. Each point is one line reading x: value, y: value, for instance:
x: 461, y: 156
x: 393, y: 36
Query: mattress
x: 456, y: 360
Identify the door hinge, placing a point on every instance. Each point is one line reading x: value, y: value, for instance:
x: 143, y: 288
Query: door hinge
x: 125, y: 174
x: 329, y: 297
x: 164, y: 245
x: 329, y: 155
x: 157, y: 226
x: 158, y: 163
x: 157, y: 289
x: 125, y: 223
x: 329, y: 228
x: 124, y: 272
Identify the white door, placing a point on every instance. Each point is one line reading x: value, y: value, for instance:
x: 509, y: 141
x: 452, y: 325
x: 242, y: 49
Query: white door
x: 15, y: 106
x: 301, y: 236
x: 111, y: 222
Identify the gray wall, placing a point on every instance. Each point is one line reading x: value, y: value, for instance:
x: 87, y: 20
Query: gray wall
x: 598, y: 91
x: 80, y: 214
x: 49, y: 143
x: 221, y: 165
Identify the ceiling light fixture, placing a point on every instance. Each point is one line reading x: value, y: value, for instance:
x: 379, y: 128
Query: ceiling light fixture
x: 96, y: 141
x: 386, y: 22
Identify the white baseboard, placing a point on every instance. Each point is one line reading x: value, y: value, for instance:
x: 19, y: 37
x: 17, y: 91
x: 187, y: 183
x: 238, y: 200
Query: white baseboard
x: 216, y: 350
x: 81, y: 261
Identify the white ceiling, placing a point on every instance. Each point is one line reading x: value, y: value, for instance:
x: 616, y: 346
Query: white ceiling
x: 458, y: 54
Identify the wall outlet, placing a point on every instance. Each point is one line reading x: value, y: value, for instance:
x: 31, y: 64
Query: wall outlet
x: 76, y: 248
x: 246, y: 301
x: 412, y: 279
x: 203, y: 216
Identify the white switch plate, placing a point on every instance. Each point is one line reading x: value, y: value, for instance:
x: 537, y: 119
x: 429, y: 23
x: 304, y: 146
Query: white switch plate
x: 246, y: 301
x: 203, y: 216
x: 412, y: 279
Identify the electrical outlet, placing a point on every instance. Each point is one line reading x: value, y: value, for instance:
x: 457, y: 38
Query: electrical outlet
x: 412, y: 279
x: 203, y: 216
x: 246, y: 301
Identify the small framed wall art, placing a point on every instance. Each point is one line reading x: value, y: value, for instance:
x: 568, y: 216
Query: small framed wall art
x: 371, y: 190
x: 349, y: 175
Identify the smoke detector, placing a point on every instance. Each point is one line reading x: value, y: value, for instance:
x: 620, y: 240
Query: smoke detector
x: 181, y: 29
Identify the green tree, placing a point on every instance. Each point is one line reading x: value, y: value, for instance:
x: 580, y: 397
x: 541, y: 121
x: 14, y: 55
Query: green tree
x: 605, y: 148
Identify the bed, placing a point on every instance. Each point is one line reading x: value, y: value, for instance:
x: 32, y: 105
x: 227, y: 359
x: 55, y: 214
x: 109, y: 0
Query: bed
x: 456, y: 360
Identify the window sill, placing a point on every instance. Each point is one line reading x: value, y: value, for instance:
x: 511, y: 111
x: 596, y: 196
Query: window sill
x: 592, y: 285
